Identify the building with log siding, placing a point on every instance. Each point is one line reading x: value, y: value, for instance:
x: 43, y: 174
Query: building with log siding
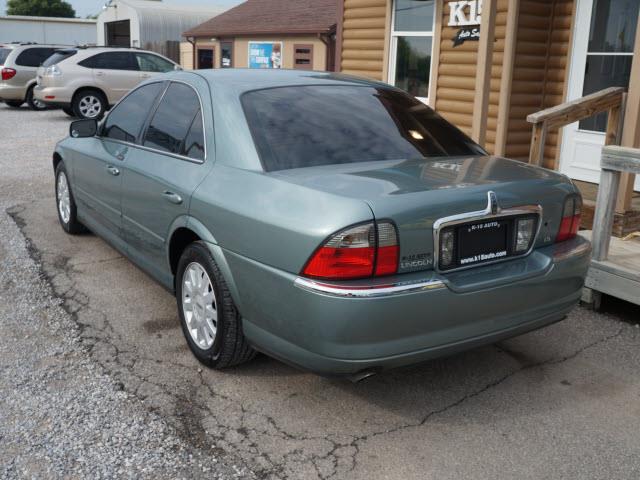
x: 487, y: 65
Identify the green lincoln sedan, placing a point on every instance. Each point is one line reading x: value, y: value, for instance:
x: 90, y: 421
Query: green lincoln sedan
x: 329, y: 221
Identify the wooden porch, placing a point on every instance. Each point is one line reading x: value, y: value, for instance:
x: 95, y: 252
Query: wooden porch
x: 623, y: 223
x: 615, y: 262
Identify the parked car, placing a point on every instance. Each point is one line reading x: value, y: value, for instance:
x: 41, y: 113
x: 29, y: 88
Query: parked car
x: 332, y: 222
x: 19, y: 63
x: 85, y: 82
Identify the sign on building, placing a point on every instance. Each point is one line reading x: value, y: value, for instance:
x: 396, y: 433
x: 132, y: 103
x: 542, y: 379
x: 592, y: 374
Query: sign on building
x: 265, y: 54
x: 467, y: 15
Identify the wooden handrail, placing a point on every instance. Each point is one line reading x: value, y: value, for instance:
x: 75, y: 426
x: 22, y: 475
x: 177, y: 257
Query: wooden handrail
x: 615, y: 161
x: 610, y: 99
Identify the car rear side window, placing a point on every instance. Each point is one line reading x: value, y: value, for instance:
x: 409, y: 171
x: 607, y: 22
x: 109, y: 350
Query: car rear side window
x: 4, y: 53
x: 33, y: 57
x: 58, y: 56
x: 176, y: 127
x: 126, y: 120
x: 306, y: 126
x: 111, y: 61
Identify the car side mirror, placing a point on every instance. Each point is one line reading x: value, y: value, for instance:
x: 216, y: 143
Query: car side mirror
x: 177, y: 67
x: 83, y: 128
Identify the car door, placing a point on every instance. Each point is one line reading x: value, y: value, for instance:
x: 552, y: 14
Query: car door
x: 151, y: 65
x: 98, y: 165
x: 161, y: 175
x: 116, y: 73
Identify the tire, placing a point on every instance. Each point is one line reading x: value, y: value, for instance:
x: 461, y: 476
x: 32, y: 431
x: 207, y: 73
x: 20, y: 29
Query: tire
x: 67, y: 211
x: 14, y: 103
x: 89, y: 104
x: 34, y: 104
x: 69, y: 111
x: 227, y: 346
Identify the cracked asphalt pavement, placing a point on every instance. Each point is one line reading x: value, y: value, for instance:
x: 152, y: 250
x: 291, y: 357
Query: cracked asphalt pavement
x: 96, y: 377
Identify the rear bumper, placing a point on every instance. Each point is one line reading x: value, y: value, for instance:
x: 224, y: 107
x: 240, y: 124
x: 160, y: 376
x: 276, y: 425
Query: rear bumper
x: 346, y: 328
x: 10, y: 92
x: 54, y: 96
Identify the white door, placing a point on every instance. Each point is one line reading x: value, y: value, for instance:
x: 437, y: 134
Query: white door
x: 601, y: 57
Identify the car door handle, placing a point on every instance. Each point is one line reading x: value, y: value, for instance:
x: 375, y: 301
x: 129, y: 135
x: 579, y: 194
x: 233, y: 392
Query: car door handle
x: 172, y: 197
x: 99, y: 74
x: 113, y: 171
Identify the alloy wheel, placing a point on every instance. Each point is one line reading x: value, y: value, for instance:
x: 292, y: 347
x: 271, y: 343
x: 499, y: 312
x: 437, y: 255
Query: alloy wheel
x: 199, y: 305
x: 90, y: 106
x: 64, y: 198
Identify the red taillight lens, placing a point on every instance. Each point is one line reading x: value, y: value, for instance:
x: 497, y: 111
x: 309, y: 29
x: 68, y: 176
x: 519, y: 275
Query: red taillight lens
x: 387, y: 261
x: 8, y: 73
x: 356, y: 252
x: 571, y: 217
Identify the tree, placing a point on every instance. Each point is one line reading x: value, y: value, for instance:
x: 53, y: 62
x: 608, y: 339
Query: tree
x: 41, y: 8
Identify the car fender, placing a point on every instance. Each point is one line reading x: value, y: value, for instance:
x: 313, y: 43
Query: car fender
x: 193, y: 224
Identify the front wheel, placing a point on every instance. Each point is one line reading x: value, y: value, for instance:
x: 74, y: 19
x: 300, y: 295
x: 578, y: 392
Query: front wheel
x: 66, y: 206
x: 210, y: 320
x: 89, y: 104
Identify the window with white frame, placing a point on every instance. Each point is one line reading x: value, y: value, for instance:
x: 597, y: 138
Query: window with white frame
x: 411, y: 46
x: 610, y: 51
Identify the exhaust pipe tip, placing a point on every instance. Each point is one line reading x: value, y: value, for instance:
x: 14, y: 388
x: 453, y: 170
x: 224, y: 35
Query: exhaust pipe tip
x: 363, y: 374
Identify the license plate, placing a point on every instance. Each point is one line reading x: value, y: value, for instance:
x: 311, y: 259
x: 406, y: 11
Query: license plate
x: 481, y: 242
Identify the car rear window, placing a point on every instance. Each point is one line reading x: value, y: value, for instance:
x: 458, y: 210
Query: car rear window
x: 4, y: 53
x: 58, y: 56
x: 306, y: 126
x: 33, y: 57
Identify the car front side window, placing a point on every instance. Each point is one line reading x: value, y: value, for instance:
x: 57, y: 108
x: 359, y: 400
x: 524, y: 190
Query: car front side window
x: 176, y: 126
x: 126, y: 120
x: 153, y: 63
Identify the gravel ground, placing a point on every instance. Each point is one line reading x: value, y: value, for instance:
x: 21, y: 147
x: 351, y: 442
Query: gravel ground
x: 60, y: 415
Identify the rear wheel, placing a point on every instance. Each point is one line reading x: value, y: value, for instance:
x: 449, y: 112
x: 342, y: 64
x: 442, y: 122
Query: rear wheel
x: 68, y: 111
x: 66, y: 206
x: 14, y: 103
x: 90, y: 104
x: 33, y: 102
x: 210, y: 320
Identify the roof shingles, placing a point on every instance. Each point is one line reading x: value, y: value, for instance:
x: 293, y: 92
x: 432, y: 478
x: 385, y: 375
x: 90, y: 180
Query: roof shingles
x: 256, y: 17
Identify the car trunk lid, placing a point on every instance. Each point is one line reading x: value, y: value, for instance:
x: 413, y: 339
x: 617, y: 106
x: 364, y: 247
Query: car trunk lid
x: 414, y: 194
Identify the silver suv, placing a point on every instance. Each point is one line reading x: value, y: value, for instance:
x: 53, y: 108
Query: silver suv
x: 19, y: 63
x: 86, y: 82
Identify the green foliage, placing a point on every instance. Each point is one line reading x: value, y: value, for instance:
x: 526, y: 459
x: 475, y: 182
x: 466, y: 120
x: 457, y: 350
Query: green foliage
x: 40, y: 8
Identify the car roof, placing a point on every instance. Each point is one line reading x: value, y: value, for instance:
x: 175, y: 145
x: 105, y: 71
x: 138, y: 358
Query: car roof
x: 32, y: 45
x: 240, y: 80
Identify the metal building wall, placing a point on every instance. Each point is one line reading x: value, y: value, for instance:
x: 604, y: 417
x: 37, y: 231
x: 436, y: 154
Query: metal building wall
x: 47, y: 30
x: 161, y: 31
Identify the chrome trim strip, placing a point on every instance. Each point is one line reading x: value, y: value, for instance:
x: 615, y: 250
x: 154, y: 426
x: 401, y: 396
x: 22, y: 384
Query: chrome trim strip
x: 491, y: 211
x: 345, y: 291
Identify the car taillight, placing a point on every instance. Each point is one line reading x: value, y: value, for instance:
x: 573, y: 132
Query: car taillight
x: 8, y: 73
x: 570, y: 222
x: 357, y: 252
